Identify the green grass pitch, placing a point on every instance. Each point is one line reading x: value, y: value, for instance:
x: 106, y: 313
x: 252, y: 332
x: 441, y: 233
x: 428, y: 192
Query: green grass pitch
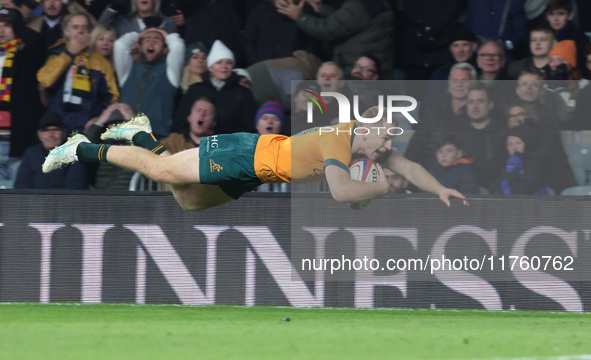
x: 120, y: 331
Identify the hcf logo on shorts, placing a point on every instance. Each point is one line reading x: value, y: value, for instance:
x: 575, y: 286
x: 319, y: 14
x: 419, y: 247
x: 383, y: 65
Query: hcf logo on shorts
x: 211, y: 143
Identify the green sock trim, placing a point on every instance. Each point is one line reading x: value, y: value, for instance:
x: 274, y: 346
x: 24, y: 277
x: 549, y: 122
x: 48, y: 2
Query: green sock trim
x: 148, y: 142
x: 88, y: 152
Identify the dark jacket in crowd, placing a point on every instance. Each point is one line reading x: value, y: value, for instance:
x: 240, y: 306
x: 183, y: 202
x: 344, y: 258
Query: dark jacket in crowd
x: 499, y: 90
x: 516, y: 67
x: 30, y: 175
x: 25, y: 106
x: 272, y: 79
x: 545, y: 122
x: 354, y: 29
x: 235, y: 105
x: 422, y: 31
x: 558, y: 172
x: 484, y: 18
x: 123, y: 23
x: 581, y: 120
x: 486, y: 146
x: 212, y: 20
x: 459, y: 176
x: 523, y: 173
x: 50, y: 35
x: 271, y: 35
x: 95, y: 8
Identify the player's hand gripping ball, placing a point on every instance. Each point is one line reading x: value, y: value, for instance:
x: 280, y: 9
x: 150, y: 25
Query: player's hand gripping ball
x: 363, y: 170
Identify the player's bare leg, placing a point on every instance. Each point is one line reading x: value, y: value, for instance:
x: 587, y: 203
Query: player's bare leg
x: 181, y: 168
x: 180, y: 171
x: 196, y: 197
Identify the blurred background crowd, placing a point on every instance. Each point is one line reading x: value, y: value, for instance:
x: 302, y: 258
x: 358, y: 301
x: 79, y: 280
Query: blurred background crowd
x: 499, y: 82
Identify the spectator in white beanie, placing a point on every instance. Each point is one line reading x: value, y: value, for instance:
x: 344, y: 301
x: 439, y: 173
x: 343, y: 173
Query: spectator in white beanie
x: 219, y: 51
x: 235, y: 103
x: 220, y: 63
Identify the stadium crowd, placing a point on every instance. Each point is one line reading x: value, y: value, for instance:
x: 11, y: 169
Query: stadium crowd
x: 500, y: 79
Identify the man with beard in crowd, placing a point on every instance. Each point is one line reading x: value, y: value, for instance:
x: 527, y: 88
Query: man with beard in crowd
x: 150, y: 85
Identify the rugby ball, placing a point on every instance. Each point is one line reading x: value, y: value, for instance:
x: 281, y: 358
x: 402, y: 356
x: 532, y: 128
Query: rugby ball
x: 363, y: 170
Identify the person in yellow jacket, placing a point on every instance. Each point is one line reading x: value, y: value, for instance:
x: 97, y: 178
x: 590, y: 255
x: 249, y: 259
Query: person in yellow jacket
x: 80, y: 82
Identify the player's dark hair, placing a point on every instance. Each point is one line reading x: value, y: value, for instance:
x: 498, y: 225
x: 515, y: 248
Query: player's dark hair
x: 559, y: 5
x: 450, y: 139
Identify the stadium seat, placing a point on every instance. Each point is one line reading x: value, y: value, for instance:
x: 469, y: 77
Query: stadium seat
x: 483, y: 191
x: 577, y: 190
x: 579, y: 157
x: 280, y: 187
x: 6, y: 184
x: 580, y: 175
x: 139, y: 182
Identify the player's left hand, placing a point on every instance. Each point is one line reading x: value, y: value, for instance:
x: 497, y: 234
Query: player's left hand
x: 446, y: 194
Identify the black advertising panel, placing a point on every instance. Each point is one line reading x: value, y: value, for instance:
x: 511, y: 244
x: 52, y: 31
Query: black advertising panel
x: 400, y: 251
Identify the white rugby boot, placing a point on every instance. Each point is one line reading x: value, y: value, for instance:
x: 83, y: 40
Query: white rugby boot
x: 64, y: 154
x: 126, y: 131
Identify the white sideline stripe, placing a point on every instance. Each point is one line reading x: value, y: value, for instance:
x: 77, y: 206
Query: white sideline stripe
x: 319, y: 308
x: 559, y: 357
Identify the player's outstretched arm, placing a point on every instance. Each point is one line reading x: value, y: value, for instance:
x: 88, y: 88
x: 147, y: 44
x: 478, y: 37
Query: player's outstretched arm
x: 447, y: 193
x: 345, y: 189
x: 421, y: 178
